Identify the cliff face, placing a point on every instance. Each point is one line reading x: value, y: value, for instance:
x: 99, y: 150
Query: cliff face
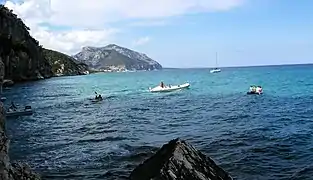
x: 113, y: 57
x: 64, y: 65
x: 21, y: 54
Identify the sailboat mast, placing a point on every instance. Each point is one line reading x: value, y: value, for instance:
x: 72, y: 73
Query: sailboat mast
x: 216, y: 59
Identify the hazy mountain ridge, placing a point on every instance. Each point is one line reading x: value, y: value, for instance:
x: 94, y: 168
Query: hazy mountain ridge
x: 114, y: 57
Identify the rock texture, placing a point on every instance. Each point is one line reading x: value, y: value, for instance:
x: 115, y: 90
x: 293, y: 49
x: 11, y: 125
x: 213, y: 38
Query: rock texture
x: 21, y: 54
x: 178, y: 160
x: 64, y: 65
x: 8, y: 171
x: 113, y: 57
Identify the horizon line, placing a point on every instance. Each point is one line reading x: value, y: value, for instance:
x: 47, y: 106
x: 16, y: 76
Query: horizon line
x: 240, y: 66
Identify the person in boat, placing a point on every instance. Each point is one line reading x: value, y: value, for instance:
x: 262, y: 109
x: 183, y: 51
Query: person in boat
x: 13, y: 107
x: 259, y: 89
x: 162, y: 85
x: 97, y: 97
x: 100, y: 97
x: 253, y: 89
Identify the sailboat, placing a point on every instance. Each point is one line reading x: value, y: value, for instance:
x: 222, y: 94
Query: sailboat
x: 216, y: 69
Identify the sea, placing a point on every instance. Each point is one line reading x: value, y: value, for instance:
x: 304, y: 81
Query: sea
x: 262, y: 137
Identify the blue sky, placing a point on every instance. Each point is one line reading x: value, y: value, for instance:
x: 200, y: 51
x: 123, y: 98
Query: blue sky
x: 255, y: 32
x: 277, y: 32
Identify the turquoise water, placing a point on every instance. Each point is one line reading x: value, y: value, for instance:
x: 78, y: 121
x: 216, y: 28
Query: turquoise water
x: 250, y: 136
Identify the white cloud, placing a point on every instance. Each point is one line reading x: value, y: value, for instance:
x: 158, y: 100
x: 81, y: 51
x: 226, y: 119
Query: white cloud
x: 97, y: 14
x: 148, y: 23
x: 71, y: 41
x: 141, y: 41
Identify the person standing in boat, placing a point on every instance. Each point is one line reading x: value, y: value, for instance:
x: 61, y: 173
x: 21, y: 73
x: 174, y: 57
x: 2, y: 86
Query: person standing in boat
x: 162, y: 84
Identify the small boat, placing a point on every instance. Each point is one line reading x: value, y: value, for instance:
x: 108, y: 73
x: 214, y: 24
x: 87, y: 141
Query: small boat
x: 255, y: 90
x: 2, y: 99
x: 169, y: 88
x: 250, y: 92
x: 19, y: 112
x: 216, y: 70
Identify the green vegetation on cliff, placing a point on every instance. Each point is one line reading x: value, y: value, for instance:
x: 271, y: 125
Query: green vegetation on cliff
x: 20, y: 53
x: 22, y: 56
x: 64, y: 65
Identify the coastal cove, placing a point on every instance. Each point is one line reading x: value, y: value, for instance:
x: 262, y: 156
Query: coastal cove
x: 76, y: 105
x: 251, y: 137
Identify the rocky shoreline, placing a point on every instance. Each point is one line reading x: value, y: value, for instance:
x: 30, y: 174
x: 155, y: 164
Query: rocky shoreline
x: 8, y: 170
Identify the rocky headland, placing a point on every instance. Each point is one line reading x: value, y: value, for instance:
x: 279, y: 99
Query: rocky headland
x: 115, y: 58
x: 24, y: 59
x: 20, y: 53
x: 64, y: 65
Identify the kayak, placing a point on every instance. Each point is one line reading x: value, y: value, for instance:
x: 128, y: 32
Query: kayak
x: 19, y: 112
x: 169, y: 88
x: 96, y: 100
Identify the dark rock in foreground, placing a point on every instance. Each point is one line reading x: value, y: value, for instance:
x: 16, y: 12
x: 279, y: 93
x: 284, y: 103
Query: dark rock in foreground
x: 178, y: 160
x: 8, y: 171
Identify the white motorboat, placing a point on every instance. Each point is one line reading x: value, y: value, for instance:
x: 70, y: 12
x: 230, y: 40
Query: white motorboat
x: 169, y: 88
x: 19, y: 112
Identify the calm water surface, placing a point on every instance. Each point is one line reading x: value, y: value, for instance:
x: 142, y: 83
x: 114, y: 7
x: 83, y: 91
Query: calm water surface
x: 252, y: 137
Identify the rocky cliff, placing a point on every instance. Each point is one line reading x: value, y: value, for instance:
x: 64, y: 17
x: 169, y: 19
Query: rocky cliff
x: 113, y: 57
x: 64, y: 65
x: 24, y: 59
x: 178, y: 160
x: 21, y: 54
x: 8, y: 171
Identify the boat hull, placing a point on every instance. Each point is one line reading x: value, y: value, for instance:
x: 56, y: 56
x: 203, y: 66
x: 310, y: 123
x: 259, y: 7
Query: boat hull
x: 170, y: 89
x: 250, y: 93
x: 215, y: 71
x: 19, y: 113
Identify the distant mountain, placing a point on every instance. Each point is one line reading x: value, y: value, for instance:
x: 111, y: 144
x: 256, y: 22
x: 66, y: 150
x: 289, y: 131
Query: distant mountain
x: 113, y: 57
x: 64, y: 65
